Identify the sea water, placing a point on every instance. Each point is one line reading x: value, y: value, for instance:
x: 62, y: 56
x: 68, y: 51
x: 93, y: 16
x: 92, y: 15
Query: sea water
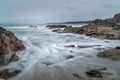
x: 44, y: 57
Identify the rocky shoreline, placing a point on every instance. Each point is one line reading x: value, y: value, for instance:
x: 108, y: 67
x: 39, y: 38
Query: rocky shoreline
x: 9, y: 45
x: 102, y: 29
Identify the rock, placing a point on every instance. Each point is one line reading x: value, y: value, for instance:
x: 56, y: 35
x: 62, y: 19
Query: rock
x: 97, y: 31
x: 98, y: 68
x: 57, y: 30
x: 107, y: 22
x: 113, y: 54
x: 56, y: 26
x: 84, y: 46
x: 33, y: 26
x: 77, y: 30
x: 116, y: 18
x: 5, y: 74
x: 9, y: 45
x: 103, y: 29
x: 70, y: 46
x: 69, y: 56
x: 94, y: 73
x: 118, y: 47
x: 47, y: 62
x: 77, y: 76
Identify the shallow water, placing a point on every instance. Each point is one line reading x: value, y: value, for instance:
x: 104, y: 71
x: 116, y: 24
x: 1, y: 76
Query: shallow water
x: 45, y: 47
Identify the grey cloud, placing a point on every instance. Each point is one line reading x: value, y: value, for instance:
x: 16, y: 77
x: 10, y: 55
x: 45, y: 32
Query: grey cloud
x: 42, y: 11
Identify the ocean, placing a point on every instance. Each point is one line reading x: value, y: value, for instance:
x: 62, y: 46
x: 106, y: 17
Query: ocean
x: 44, y: 47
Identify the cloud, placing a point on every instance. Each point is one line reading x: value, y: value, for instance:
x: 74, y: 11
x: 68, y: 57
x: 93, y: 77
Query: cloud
x: 36, y: 11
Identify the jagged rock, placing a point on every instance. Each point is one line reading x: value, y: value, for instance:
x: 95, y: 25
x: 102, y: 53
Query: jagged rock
x: 9, y: 45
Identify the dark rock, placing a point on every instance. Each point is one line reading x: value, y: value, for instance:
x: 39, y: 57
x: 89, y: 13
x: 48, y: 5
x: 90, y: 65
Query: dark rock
x: 9, y: 45
x: 69, y: 56
x: 56, y: 26
x: 33, y: 26
x: 118, y: 47
x: 70, y: 46
x: 5, y: 74
x: 84, y: 46
x: 57, y: 30
x: 47, y: 62
x: 94, y: 73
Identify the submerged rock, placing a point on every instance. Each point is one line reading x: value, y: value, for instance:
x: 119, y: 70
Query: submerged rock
x: 113, y: 54
x: 9, y: 45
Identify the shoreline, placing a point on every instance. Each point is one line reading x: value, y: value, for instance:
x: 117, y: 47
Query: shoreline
x: 70, y: 57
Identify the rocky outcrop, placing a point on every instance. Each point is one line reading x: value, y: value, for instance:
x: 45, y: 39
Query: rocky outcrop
x: 113, y: 54
x: 95, y: 31
x: 9, y: 45
x: 56, y: 26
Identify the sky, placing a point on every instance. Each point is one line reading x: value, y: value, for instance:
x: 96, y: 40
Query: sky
x: 47, y: 11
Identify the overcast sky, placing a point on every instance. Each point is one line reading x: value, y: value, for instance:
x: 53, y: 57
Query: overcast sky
x: 44, y: 11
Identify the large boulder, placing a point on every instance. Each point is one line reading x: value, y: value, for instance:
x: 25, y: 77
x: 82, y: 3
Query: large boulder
x: 9, y: 45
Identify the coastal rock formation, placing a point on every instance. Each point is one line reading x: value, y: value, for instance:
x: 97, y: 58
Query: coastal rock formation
x: 9, y: 45
x: 95, y: 31
x: 113, y: 54
x: 104, y: 29
x: 56, y: 26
